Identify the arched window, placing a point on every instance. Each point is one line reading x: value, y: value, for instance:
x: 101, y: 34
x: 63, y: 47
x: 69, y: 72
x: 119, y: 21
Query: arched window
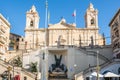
x: 31, y: 23
x: 92, y: 21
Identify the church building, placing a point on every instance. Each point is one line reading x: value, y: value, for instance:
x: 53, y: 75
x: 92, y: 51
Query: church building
x: 62, y: 33
x: 64, y: 55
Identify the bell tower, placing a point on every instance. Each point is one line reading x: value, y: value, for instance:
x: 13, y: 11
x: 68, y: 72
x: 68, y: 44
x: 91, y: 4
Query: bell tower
x: 91, y: 17
x: 32, y: 25
x: 32, y: 19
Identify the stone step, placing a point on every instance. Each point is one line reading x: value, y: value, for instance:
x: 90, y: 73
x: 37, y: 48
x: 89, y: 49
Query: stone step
x: 58, y: 79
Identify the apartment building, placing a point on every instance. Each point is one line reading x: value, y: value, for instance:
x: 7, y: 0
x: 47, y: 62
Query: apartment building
x: 4, y: 35
x: 14, y: 41
x: 115, y: 34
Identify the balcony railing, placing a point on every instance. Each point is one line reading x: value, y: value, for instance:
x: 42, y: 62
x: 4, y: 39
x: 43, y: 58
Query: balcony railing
x: 2, y: 51
x: 2, y: 29
x: 2, y: 39
x: 116, y: 50
x: 115, y: 39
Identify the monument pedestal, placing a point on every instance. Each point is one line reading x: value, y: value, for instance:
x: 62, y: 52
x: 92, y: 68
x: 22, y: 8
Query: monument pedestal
x: 57, y: 75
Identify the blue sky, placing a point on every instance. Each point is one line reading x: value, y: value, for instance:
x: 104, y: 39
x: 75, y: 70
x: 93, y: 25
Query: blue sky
x: 15, y: 12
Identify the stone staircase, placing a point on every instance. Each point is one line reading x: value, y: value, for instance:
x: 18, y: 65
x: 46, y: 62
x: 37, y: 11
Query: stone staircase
x: 85, y: 71
x: 16, y: 71
x: 12, y: 55
x: 93, y: 53
x: 58, y: 79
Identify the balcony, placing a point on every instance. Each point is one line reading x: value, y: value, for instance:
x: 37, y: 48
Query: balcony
x: 2, y: 39
x: 2, y: 29
x: 116, y: 50
x: 115, y: 39
x: 2, y: 51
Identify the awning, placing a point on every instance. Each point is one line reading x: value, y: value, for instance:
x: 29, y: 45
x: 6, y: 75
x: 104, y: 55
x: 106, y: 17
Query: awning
x: 94, y: 74
x: 110, y: 74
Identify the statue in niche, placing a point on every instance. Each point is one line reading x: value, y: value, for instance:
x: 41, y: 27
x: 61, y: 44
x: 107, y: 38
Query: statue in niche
x: 58, y: 67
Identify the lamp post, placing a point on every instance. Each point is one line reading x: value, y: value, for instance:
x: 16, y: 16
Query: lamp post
x: 13, y: 69
x: 43, y: 67
x: 75, y: 70
x: 44, y: 56
x: 44, y: 70
x: 97, y: 66
x: 9, y: 69
x: 75, y: 67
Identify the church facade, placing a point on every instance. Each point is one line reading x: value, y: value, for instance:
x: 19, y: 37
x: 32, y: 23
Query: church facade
x: 68, y: 60
x: 62, y: 33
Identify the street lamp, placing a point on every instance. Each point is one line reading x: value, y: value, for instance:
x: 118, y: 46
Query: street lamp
x: 75, y: 66
x: 13, y: 68
x: 75, y: 70
x: 97, y: 66
x: 43, y: 66
x: 9, y: 69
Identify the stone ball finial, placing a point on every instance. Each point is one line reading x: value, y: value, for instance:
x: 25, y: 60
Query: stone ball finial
x: 91, y: 5
x: 33, y: 9
x: 63, y: 20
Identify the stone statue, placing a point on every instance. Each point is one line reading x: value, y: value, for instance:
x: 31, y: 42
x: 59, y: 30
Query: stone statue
x: 58, y: 61
x: 58, y: 67
x: 58, y: 43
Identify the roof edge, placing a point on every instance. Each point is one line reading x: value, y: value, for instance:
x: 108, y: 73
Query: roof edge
x: 114, y: 16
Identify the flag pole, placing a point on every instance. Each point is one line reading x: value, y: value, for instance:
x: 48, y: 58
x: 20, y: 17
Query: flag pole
x: 44, y: 71
x: 75, y: 16
x: 46, y: 21
x: 46, y: 24
x: 48, y: 17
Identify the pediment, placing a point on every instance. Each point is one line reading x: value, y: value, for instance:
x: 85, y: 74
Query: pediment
x: 61, y: 25
x: 58, y: 26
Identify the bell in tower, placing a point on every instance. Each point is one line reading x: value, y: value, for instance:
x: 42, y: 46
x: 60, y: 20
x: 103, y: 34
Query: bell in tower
x: 91, y: 17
